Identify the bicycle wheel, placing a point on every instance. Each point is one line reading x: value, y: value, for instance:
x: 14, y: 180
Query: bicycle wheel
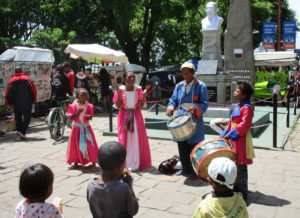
x: 56, y: 124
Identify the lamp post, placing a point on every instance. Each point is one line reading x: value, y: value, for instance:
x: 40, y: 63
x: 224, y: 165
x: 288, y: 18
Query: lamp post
x: 279, y: 26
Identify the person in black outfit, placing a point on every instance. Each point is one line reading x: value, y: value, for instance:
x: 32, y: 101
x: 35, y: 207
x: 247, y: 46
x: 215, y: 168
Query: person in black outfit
x: 61, y: 86
x: 105, y: 83
x: 21, y: 94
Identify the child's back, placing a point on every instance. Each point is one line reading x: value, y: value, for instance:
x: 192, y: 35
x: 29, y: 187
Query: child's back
x: 222, y: 206
x: 25, y: 209
x: 222, y: 202
x: 111, y: 199
x: 107, y: 195
x: 36, y: 185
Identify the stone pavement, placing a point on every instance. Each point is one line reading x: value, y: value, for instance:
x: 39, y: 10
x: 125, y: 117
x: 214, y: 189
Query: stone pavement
x: 274, y: 178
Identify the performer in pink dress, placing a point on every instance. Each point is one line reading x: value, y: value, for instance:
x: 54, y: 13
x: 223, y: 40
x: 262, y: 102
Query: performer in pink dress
x: 82, y: 145
x: 131, y: 128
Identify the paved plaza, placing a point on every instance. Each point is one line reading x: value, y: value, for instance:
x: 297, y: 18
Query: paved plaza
x: 274, y: 178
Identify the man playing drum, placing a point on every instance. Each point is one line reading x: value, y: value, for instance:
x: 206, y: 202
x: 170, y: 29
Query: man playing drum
x: 189, y: 96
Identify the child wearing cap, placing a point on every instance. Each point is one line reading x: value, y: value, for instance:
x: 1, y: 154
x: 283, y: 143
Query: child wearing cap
x: 222, y: 202
x: 238, y: 131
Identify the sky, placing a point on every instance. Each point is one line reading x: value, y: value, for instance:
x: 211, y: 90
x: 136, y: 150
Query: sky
x: 295, y: 5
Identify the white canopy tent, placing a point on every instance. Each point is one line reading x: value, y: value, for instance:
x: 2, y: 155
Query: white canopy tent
x: 275, y: 58
x: 96, y: 53
x: 26, y: 54
x: 35, y: 62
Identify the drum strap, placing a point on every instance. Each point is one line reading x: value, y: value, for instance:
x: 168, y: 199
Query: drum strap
x: 193, y: 89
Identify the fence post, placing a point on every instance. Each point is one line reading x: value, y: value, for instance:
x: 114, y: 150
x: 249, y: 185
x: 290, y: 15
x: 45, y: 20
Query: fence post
x: 274, y: 119
x: 295, y: 97
x: 156, y: 103
x: 288, y: 107
x: 110, y: 109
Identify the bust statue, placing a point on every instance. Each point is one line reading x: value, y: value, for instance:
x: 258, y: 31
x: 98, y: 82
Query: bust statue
x: 212, y: 21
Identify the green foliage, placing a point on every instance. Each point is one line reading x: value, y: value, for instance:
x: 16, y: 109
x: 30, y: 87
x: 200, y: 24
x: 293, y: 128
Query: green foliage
x: 150, y: 32
x: 54, y: 39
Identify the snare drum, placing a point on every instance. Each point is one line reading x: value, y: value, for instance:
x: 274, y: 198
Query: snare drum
x: 207, y: 150
x: 182, y: 127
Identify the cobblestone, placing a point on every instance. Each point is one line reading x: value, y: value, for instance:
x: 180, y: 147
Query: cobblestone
x: 274, y: 178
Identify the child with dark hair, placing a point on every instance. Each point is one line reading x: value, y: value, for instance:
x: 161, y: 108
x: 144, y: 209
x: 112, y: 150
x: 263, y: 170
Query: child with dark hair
x: 238, y: 131
x: 222, y: 202
x: 36, y: 185
x: 82, y: 145
x: 107, y: 195
x: 129, y: 99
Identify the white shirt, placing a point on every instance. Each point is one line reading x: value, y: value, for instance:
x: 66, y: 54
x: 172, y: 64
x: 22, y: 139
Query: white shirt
x: 130, y: 99
x: 188, y: 86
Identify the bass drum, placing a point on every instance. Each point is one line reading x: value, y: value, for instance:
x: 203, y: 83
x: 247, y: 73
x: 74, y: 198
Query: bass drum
x: 205, y: 151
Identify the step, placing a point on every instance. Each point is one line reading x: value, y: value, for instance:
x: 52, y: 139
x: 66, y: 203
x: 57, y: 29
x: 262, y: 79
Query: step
x: 159, y: 122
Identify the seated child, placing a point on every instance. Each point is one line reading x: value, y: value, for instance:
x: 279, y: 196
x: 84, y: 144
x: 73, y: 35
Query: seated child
x: 36, y: 185
x: 107, y: 195
x: 222, y: 202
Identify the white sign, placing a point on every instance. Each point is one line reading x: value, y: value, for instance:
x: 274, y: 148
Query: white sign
x: 207, y: 67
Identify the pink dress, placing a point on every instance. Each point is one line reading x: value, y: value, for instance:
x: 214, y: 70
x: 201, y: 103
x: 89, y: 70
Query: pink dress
x: 82, y: 145
x: 134, y: 139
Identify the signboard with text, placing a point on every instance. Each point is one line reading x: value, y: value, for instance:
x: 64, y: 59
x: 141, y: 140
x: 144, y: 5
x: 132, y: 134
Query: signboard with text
x: 268, y: 35
x: 38, y: 72
x: 289, y: 35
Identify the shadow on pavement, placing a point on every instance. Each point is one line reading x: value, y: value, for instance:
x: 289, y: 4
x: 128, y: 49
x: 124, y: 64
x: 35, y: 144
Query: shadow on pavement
x: 87, y: 169
x: 196, y: 182
x: 35, y: 139
x: 35, y: 129
x: 63, y: 140
x: 152, y: 170
x: 9, y: 137
x: 260, y: 198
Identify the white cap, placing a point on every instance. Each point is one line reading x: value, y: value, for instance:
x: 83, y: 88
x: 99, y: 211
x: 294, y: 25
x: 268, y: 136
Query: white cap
x: 225, y: 167
x: 187, y: 65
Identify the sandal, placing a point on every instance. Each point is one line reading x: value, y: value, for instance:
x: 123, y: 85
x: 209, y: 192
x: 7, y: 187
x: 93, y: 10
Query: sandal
x: 21, y: 135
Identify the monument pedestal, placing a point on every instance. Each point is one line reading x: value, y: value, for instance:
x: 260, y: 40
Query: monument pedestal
x: 211, y: 46
x: 218, y: 87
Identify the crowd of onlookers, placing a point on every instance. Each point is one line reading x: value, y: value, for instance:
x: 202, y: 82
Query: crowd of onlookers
x: 64, y: 81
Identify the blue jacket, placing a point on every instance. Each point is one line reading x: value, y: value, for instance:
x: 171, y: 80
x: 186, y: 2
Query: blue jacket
x: 200, y: 97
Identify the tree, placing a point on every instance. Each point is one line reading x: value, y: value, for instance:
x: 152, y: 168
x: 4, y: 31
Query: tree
x: 150, y: 32
x: 54, y: 39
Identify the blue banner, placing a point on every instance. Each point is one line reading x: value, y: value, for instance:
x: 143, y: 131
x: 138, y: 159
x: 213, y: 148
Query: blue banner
x: 268, y: 34
x: 289, y: 34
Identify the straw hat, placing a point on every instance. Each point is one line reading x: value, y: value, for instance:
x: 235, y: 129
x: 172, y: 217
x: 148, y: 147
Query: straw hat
x: 80, y: 75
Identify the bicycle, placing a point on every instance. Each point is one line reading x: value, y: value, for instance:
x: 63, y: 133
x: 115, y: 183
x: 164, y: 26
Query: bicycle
x: 57, y: 120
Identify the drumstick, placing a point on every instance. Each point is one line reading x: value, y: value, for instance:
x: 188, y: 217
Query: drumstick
x: 173, y: 119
